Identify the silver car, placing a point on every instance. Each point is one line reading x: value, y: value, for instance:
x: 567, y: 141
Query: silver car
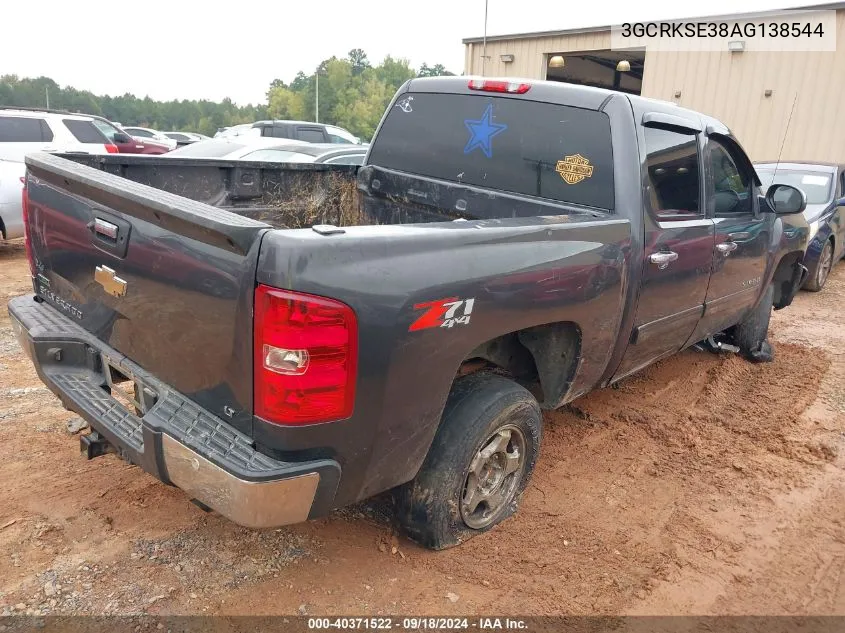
x: 11, y: 188
x: 273, y: 151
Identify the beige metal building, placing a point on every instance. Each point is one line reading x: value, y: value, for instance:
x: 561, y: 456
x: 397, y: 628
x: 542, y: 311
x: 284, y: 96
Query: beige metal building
x: 753, y: 92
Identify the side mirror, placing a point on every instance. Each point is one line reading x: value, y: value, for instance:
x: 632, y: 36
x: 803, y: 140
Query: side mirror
x: 120, y: 137
x: 840, y: 202
x: 786, y: 199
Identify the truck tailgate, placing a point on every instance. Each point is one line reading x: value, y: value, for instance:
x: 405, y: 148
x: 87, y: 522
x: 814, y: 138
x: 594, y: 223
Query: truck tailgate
x: 166, y: 281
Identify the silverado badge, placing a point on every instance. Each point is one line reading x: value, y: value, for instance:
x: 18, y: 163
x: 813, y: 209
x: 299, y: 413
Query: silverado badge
x: 112, y: 284
x: 573, y: 169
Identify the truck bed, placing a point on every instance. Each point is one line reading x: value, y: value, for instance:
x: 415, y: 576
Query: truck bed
x: 294, y: 195
x: 282, y: 195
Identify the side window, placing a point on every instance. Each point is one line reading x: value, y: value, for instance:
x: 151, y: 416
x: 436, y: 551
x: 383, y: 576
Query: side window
x: 310, y: 135
x: 842, y: 184
x: 85, y: 131
x: 46, y: 132
x: 14, y: 129
x: 731, y: 188
x: 334, y: 138
x: 673, y: 173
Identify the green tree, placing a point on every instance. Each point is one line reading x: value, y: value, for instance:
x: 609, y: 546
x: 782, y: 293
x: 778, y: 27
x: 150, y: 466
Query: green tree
x: 437, y: 70
x: 353, y: 94
x: 284, y: 103
x: 359, y: 61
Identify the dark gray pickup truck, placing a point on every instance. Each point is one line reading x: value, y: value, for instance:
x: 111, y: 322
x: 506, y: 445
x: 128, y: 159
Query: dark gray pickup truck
x: 506, y: 247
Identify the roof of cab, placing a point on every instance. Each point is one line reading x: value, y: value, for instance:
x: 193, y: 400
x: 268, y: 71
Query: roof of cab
x: 562, y: 93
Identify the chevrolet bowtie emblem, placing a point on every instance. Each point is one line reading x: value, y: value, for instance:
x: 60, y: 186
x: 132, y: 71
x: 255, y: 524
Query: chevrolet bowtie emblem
x: 112, y: 284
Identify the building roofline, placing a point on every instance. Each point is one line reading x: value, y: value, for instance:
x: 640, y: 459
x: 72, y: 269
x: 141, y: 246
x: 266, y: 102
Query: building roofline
x: 831, y: 6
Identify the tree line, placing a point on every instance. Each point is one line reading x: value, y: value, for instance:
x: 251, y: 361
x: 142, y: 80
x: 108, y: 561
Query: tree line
x: 352, y: 94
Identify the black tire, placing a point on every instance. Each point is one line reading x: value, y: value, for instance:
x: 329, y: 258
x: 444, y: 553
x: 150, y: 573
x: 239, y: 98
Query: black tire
x: 817, y: 281
x: 483, y: 410
x: 751, y: 336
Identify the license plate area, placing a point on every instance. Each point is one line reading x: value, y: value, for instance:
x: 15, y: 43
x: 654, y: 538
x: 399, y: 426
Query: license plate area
x: 127, y: 389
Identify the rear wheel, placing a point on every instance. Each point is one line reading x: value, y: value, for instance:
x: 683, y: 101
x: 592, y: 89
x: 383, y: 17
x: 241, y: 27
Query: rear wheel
x: 823, y: 269
x: 478, y: 465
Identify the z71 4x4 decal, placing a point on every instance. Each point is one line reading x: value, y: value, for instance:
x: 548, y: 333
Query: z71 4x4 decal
x: 442, y: 313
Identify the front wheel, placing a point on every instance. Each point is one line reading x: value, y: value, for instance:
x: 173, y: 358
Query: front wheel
x: 751, y: 336
x: 818, y: 280
x: 478, y: 465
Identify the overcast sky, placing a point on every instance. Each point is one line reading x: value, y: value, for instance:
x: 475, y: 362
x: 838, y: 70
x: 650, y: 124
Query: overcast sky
x: 177, y: 49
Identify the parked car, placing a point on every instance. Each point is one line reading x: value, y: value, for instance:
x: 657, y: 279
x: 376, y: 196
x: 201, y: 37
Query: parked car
x: 125, y: 143
x: 384, y: 355
x: 11, y: 188
x: 28, y: 130
x: 824, y: 186
x: 154, y: 135
x: 185, y: 138
x: 274, y: 151
x: 298, y: 130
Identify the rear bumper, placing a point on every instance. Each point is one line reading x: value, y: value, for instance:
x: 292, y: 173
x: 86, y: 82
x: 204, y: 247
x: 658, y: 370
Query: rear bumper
x: 173, y: 439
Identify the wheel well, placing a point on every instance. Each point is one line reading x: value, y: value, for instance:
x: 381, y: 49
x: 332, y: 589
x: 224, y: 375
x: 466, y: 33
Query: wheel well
x: 782, y: 279
x: 542, y: 358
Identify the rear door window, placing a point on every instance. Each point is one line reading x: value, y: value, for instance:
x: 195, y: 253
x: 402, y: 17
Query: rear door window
x: 673, y: 173
x: 15, y: 129
x: 526, y: 147
x: 85, y: 131
x: 310, y: 135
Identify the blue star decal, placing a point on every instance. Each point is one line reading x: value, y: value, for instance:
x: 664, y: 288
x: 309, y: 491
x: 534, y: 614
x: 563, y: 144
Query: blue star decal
x: 482, y: 131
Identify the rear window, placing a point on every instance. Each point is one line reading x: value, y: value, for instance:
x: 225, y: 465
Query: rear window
x: 537, y: 149
x: 85, y: 131
x: 18, y: 129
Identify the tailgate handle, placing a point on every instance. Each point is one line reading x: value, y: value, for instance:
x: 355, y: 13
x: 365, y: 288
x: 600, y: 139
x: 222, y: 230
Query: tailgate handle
x: 106, y: 229
x: 109, y: 233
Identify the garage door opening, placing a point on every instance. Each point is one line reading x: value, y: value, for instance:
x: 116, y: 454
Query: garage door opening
x: 599, y: 69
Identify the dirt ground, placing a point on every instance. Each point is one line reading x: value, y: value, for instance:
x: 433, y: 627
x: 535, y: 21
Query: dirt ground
x: 704, y: 485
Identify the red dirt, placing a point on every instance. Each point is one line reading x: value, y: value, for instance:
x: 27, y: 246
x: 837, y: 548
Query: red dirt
x: 703, y: 485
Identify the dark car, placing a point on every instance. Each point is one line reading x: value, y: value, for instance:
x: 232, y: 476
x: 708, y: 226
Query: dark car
x: 298, y: 130
x: 824, y: 186
x: 125, y: 143
x: 505, y: 248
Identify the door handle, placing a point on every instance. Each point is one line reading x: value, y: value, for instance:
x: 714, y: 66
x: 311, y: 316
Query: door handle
x: 726, y: 248
x: 662, y: 258
x: 739, y: 237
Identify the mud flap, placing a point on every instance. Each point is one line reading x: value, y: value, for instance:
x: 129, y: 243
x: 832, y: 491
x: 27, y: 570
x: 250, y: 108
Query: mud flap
x: 791, y: 288
x: 762, y: 354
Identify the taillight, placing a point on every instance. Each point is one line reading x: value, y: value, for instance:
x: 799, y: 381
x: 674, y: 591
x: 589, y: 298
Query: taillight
x: 306, y: 356
x: 111, y: 149
x: 513, y: 87
x: 27, y: 235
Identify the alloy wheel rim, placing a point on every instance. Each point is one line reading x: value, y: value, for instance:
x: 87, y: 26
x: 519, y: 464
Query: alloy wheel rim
x: 825, y: 265
x: 493, y: 477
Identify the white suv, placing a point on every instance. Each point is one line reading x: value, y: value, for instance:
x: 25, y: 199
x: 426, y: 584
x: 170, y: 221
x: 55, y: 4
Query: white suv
x: 25, y: 131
